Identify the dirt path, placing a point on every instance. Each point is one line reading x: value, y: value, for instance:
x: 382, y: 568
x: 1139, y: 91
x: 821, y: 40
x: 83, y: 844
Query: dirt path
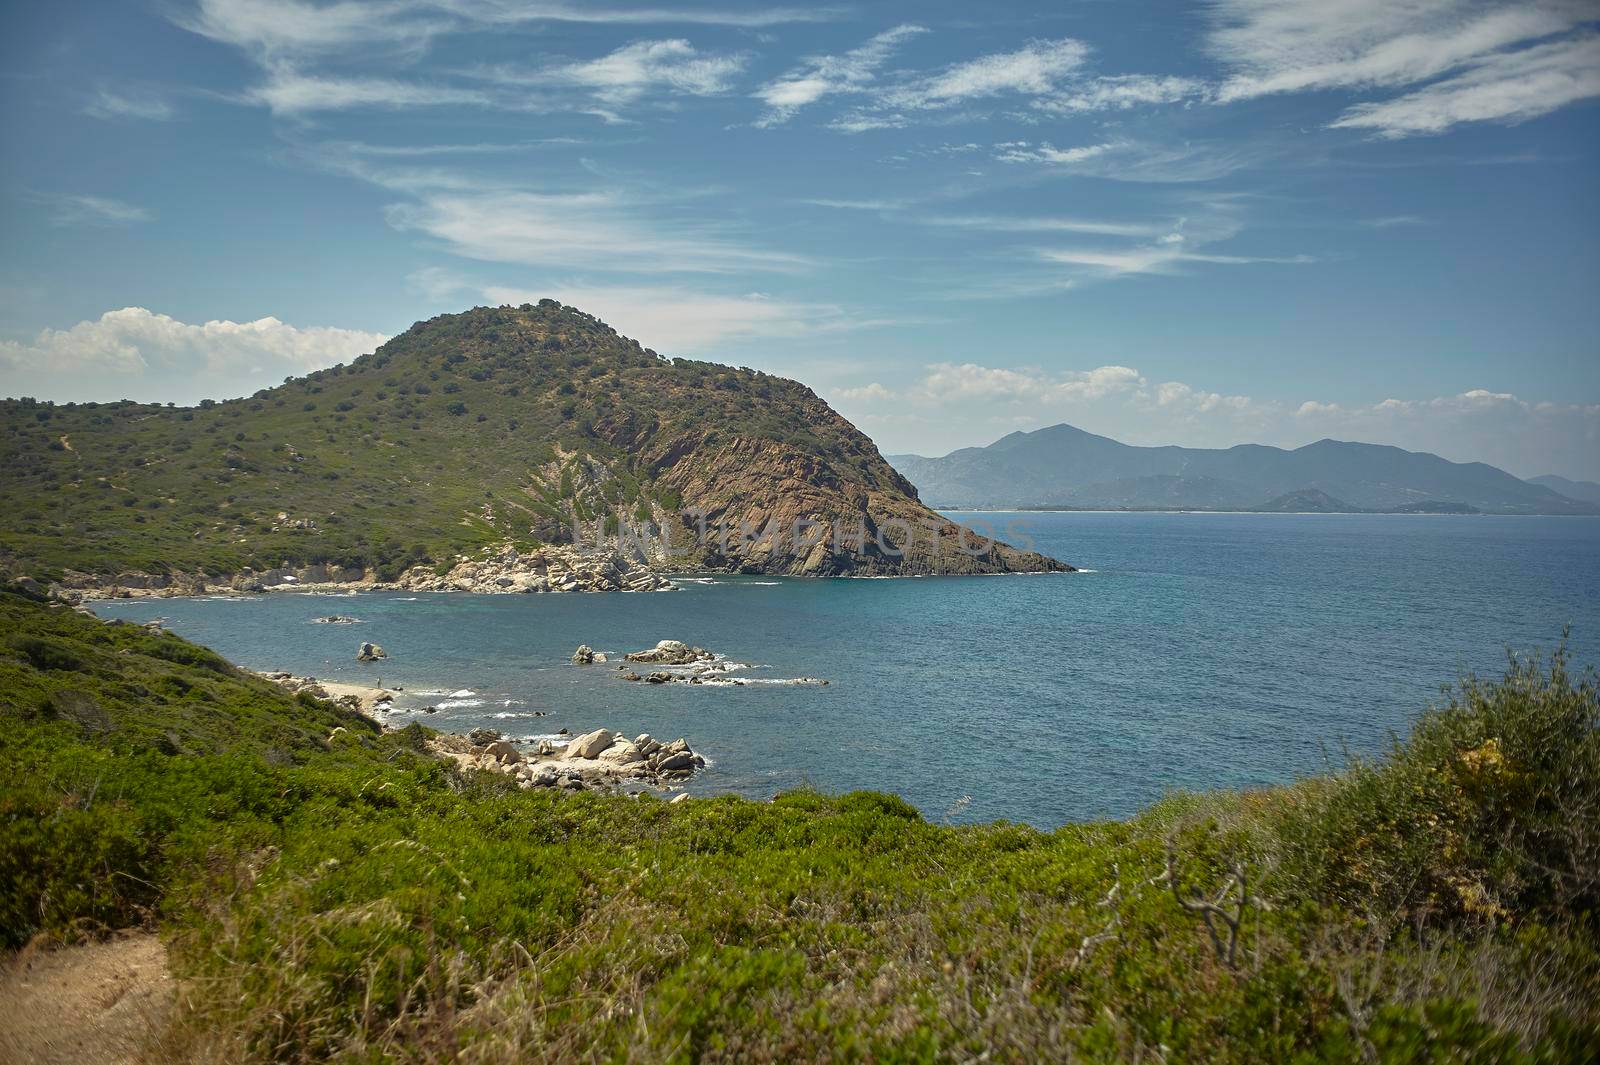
x: 94, y: 1004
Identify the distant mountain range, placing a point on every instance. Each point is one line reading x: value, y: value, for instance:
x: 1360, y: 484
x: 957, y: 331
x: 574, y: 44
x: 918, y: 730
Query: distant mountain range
x: 1588, y: 491
x: 1064, y: 467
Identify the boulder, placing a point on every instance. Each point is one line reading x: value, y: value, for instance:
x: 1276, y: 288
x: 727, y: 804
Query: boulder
x: 504, y: 753
x: 659, y: 677
x: 583, y: 656
x: 370, y: 652
x: 622, y: 753
x: 482, y: 736
x: 590, y: 744
x: 671, y: 763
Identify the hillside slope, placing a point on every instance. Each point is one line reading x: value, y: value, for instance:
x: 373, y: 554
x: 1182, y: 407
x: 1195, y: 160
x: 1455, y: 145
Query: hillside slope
x: 328, y: 894
x: 497, y: 425
x: 1065, y: 466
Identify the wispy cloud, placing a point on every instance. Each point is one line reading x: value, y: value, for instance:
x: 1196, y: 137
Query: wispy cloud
x: 1123, y: 91
x: 828, y: 75
x: 610, y: 230
x: 1501, y: 62
x: 295, y: 28
x: 1035, y: 69
x: 1136, y: 161
x: 67, y: 209
x: 1393, y: 221
x: 1001, y: 224
x: 673, y: 66
x: 288, y: 91
x: 1513, y: 87
x: 110, y: 105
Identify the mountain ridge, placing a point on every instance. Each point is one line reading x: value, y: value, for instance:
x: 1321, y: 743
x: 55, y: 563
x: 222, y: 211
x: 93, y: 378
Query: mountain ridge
x: 1062, y: 465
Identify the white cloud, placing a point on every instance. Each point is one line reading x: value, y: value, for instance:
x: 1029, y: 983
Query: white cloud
x: 294, y: 28
x: 826, y: 75
x: 632, y: 70
x: 1044, y: 152
x: 1129, y: 160
x: 113, y: 105
x: 288, y: 91
x: 1033, y: 70
x: 683, y: 321
x: 1505, y: 88
x: 1500, y: 58
x: 1000, y: 224
x: 580, y: 231
x: 134, y: 353
x: 1122, y: 92
x: 67, y: 209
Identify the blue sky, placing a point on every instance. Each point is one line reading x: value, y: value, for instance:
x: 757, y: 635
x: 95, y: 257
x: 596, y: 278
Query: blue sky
x: 1244, y: 220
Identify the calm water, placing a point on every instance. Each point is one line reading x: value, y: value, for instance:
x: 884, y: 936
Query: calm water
x: 1203, y: 650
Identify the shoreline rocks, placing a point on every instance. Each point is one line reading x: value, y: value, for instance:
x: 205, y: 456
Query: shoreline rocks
x: 601, y: 760
x: 370, y: 652
x: 497, y: 571
x: 365, y: 698
x: 587, y: 656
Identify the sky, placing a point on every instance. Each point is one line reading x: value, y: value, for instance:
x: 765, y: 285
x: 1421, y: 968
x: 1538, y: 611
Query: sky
x: 1203, y: 223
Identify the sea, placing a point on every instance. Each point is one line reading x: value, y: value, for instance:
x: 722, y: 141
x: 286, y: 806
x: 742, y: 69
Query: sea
x: 1193, y: 651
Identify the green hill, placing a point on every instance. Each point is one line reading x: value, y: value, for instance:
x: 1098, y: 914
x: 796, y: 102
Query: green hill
x: 328, y: 894
x: 497, y: 425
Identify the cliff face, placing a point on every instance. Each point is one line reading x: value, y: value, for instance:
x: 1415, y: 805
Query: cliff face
x: 510, y: 425
x: 765, y: 507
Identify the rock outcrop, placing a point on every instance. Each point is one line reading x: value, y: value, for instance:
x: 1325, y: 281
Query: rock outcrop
x: 546, y: 569
x: 671, y: 653
x: 370, y: 652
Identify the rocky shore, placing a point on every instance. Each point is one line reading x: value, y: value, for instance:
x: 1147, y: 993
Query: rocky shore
x: 503, y: 570
x: 601, y: 760
x: 366, y: 698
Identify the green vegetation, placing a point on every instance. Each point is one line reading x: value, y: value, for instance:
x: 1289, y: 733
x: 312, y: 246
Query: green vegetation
x: 392, y: 458
x: 351, y: 897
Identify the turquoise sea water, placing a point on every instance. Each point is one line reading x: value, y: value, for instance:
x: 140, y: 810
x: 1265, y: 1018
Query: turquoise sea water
x: 1202, y: 650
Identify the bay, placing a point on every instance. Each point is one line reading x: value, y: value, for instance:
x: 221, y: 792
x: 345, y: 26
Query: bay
x: 1197, y: 651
